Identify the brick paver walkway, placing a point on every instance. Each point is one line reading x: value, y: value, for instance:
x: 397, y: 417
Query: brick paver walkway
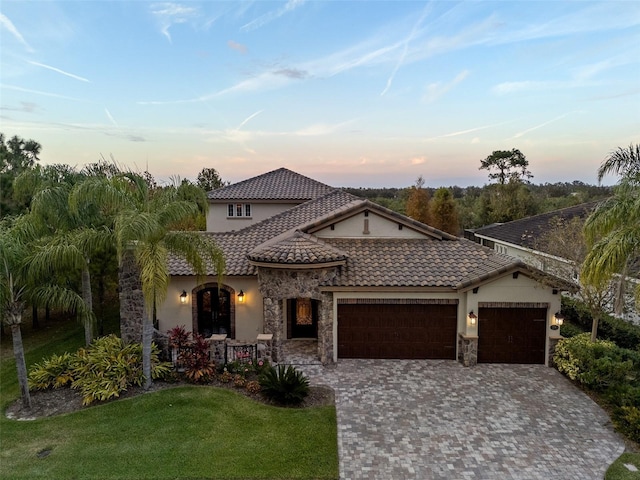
x: 431, y: 419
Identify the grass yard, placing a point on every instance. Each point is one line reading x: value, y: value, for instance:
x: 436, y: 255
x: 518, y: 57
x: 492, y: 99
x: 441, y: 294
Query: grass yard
x: 618, y: 470
x: 179, y: 433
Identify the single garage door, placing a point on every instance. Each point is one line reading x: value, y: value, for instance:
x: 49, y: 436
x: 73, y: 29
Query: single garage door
x: 511, y: 335
x: 397, y: 331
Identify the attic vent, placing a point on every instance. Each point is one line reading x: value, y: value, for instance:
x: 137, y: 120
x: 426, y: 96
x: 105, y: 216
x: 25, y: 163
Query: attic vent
x: 366, y: 213
x: 475, y: 290
x: 515, y: 274
x: 333, y: 227
x: 399, y: 226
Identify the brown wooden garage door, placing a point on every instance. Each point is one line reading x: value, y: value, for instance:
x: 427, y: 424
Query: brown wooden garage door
x: 397, y: 331
x: 511, y: 335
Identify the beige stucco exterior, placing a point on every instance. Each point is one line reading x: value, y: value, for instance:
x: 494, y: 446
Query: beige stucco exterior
x: 218, y: 221
x: 248, y: 315
x: 376, y: 226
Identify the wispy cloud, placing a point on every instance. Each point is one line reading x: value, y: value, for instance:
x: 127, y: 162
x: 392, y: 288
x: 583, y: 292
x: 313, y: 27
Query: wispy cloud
x: 291, y: 73
x: 38, y: 92
x: 464, y: 132
x: 438, y: 89
x: 25, y: 107
x: 250, y: 117
x: 169, y: 14
x: 322, y: 129
x: 272, y: 15
x: 57, y: 70
x: 8, y: 25
x: 109, y: 116
x: 237, y: 46
x: 405, y: 48
x: 524, y: 132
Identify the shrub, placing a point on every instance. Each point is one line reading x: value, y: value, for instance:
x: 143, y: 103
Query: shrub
x: 198, y: 367
x: 627, y: 419
x: 253, y: 386
x: 101, y: 371
x: 108, y: 367
x: 53, y: 372
x: 242, y: 368
x: 568, y: 330
x: 285, y: 386
x: 597, y: 365
x: 239, y: 381
x: 225, y: 376
x: 621, y: 332
x: 179, y: 337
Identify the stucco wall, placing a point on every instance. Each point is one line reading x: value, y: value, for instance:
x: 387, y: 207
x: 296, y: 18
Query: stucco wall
x: 379, y: 227
x: 508, y: 289
x: 217, y: 220
x: 248, y: 315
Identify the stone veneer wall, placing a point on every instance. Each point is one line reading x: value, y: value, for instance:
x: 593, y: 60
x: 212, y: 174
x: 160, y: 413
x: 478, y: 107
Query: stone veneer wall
x: 132, y: 309
x: 325, y: 328
x: 467, y: 350
x: 278, y: 284
x: 553, y: 342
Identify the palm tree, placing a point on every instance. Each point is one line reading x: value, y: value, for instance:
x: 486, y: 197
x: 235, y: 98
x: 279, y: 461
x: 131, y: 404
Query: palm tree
x: 141, y: 220
x: 613, y: 229
x: 68, y: 239
x: 623, y: 161
x: 17, y: 286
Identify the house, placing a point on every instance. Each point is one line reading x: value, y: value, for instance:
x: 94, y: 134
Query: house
x: 524, y: 240
x: 306, y: 260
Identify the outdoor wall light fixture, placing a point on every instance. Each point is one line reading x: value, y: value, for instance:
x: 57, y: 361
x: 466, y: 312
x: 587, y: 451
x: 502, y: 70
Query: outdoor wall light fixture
x: 241, y: 297
x: 184, y: 297
x: 559, y: 318
x: 473, y: 318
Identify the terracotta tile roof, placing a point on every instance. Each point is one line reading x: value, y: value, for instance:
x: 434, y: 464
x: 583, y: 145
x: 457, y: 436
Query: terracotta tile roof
x: 415, y: 262
x: 526, y: 231
x: 236, y: 245
x: 280, y: 184
x: 297, y: 249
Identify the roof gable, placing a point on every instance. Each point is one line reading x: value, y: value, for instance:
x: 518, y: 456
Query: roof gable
x: 355, y: 208
x: 280, y: 184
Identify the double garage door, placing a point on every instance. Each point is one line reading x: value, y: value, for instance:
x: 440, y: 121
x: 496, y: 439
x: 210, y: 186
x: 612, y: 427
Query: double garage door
x: 429, y: 331
x: 397, y: 331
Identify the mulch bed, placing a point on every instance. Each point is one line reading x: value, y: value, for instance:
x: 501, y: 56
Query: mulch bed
x: 53, y: 402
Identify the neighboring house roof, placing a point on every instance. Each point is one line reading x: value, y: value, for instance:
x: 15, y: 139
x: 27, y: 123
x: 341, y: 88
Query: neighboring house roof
x: 280, y: 184
x: 526, y: 232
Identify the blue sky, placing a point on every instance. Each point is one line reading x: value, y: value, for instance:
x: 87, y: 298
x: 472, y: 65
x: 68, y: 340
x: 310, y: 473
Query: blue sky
x: 362, y: 93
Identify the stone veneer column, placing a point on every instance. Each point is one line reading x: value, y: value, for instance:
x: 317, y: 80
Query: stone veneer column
x: 132, y: 309
x: 553, y: 342
x: 325, y: 328
x: 272, y: 310
x: 467, y: 350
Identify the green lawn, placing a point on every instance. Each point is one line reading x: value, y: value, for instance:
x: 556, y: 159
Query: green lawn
x: 618, y: 471
x: 185, y: 432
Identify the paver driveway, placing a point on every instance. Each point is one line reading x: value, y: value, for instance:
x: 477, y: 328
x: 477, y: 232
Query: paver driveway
x: 430, y: 419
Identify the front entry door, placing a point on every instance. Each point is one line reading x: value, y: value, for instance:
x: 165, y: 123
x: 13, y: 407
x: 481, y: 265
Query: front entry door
x: 302, y: 318
x: 214, y: 313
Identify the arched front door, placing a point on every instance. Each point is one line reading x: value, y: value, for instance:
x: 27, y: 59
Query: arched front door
x: 214, y: 311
